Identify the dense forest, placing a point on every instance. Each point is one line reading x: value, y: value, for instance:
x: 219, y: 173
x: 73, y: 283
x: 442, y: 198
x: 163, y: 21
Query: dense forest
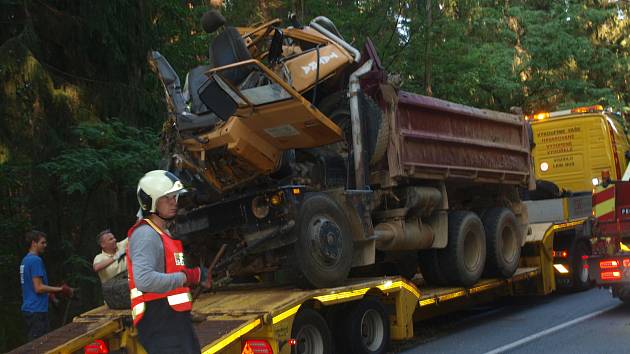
x: 81, y: 112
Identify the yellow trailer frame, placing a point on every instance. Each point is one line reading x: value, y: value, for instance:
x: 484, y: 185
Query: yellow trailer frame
x: 225, y: 319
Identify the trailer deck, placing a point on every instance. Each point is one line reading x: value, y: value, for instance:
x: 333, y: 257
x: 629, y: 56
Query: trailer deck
x: 223, y: 318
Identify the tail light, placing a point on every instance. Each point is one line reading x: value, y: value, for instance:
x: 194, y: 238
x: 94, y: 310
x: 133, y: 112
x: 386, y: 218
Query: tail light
x: 610, y: 275
x: 560, y: 254
x: 96, y: 347
x: 626, y: 262
x: 607, y: 264
x: 256, y: 346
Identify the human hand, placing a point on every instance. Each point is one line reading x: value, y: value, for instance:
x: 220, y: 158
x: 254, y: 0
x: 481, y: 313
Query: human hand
x: 120, y: 254
x: 193, y: 275
x: 206, y: 278
x: 53, y: 299
x: 67, y: 291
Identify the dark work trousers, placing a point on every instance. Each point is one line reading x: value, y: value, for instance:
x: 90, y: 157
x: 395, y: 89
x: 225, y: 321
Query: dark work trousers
x: 163, y: 330
x: 36, y: 324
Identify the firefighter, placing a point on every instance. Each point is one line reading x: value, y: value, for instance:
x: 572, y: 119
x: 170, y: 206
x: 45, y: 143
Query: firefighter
x: 158, y: 278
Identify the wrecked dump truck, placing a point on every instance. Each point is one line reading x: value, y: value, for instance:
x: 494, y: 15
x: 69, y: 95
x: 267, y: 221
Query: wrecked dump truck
x: 306, y: 162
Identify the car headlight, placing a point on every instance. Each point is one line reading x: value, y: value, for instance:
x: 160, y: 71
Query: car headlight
x: 260, y: 207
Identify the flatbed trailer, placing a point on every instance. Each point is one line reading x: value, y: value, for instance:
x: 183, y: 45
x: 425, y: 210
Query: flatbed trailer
x: 264, y: 318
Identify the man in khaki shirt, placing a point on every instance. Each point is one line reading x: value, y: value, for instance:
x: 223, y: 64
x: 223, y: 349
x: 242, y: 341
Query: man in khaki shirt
x: 111, y: 260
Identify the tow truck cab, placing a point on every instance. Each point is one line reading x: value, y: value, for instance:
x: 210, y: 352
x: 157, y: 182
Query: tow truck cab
x: 609, y: 266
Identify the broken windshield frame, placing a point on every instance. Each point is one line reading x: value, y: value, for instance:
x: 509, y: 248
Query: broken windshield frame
x: 275, y: 91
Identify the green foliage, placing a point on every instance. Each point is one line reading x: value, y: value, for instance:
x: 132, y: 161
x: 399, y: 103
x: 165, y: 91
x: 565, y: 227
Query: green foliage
x: 568, y: 58
x: 104, y: 153
x: 67, y: 68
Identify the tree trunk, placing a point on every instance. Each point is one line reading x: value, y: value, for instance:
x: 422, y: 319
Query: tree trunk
x: 427, y: 52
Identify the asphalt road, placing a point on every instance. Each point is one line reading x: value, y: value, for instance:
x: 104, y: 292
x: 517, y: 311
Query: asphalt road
x: 586, y: 322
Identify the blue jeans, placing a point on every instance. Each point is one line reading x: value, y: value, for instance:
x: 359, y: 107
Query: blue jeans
x: 36, y: 324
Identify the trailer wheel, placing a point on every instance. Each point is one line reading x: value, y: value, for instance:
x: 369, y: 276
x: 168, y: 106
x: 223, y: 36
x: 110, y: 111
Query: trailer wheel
x: 463, y: 259
x: 430, y: 267
x: 579, y: 272
x: 324, y: 246
x: 502, y: 242
x: 311, y: 333
x: 365, y: 328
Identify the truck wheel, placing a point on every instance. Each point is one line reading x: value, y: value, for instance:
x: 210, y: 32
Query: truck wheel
x: 579, y: 272
x: 376, y: 130
x: 311, y: 333
x: 116, y: 292
x: 463, y: 259
x: 502, y: 242
x: 324, y: 245
x: 622, y: 292
x: 365, y: 329
x: 430, y: 267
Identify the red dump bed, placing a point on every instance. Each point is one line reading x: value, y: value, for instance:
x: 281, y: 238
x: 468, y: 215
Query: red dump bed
x: 437, y: 139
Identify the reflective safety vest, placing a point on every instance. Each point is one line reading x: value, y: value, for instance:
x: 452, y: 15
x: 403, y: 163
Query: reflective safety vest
x: 179, y: 299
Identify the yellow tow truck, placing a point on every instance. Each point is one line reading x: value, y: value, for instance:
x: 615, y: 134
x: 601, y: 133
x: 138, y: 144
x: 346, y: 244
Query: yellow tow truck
x: 571, y: 149
x: 363, y: 316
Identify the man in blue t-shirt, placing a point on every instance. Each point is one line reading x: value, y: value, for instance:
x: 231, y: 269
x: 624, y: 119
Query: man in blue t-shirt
x: 35, y: 288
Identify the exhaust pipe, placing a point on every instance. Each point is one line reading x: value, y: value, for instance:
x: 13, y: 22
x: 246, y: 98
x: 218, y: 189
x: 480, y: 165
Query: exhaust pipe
x: 355, y: 120
x: 334, y: 37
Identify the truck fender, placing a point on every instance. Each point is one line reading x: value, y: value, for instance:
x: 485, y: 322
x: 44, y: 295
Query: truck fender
x: 356, y: 207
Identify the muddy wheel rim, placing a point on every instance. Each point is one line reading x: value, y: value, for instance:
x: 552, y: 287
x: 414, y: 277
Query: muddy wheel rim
x: 508, y: 245
x: 472, y: 251
x: 325, y: 239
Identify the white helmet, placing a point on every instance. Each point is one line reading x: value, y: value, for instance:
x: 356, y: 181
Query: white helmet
x: 154, y: 185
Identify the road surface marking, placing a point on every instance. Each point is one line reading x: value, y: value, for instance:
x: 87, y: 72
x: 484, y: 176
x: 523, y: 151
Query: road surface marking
x: 549, y: 331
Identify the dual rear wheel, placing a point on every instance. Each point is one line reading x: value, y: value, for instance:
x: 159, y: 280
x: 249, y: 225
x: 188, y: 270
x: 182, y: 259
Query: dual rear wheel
x: 361, y: 327
x: 489, y: 245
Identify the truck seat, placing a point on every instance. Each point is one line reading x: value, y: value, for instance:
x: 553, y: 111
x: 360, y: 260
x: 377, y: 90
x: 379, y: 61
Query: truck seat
x: 227, y: 48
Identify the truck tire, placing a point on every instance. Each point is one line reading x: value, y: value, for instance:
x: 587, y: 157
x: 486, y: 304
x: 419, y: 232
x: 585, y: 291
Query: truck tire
x: 430, y: 268
x: 375, y: 127
x: 365, y: 328
x: 545, y: 190
x: 503, y: 246
x: 324, y: 245
x: 463, y: 259
x: 310, y: 331
x: 116, y: 292
x: 622, y: 292
x: 579, y: 277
